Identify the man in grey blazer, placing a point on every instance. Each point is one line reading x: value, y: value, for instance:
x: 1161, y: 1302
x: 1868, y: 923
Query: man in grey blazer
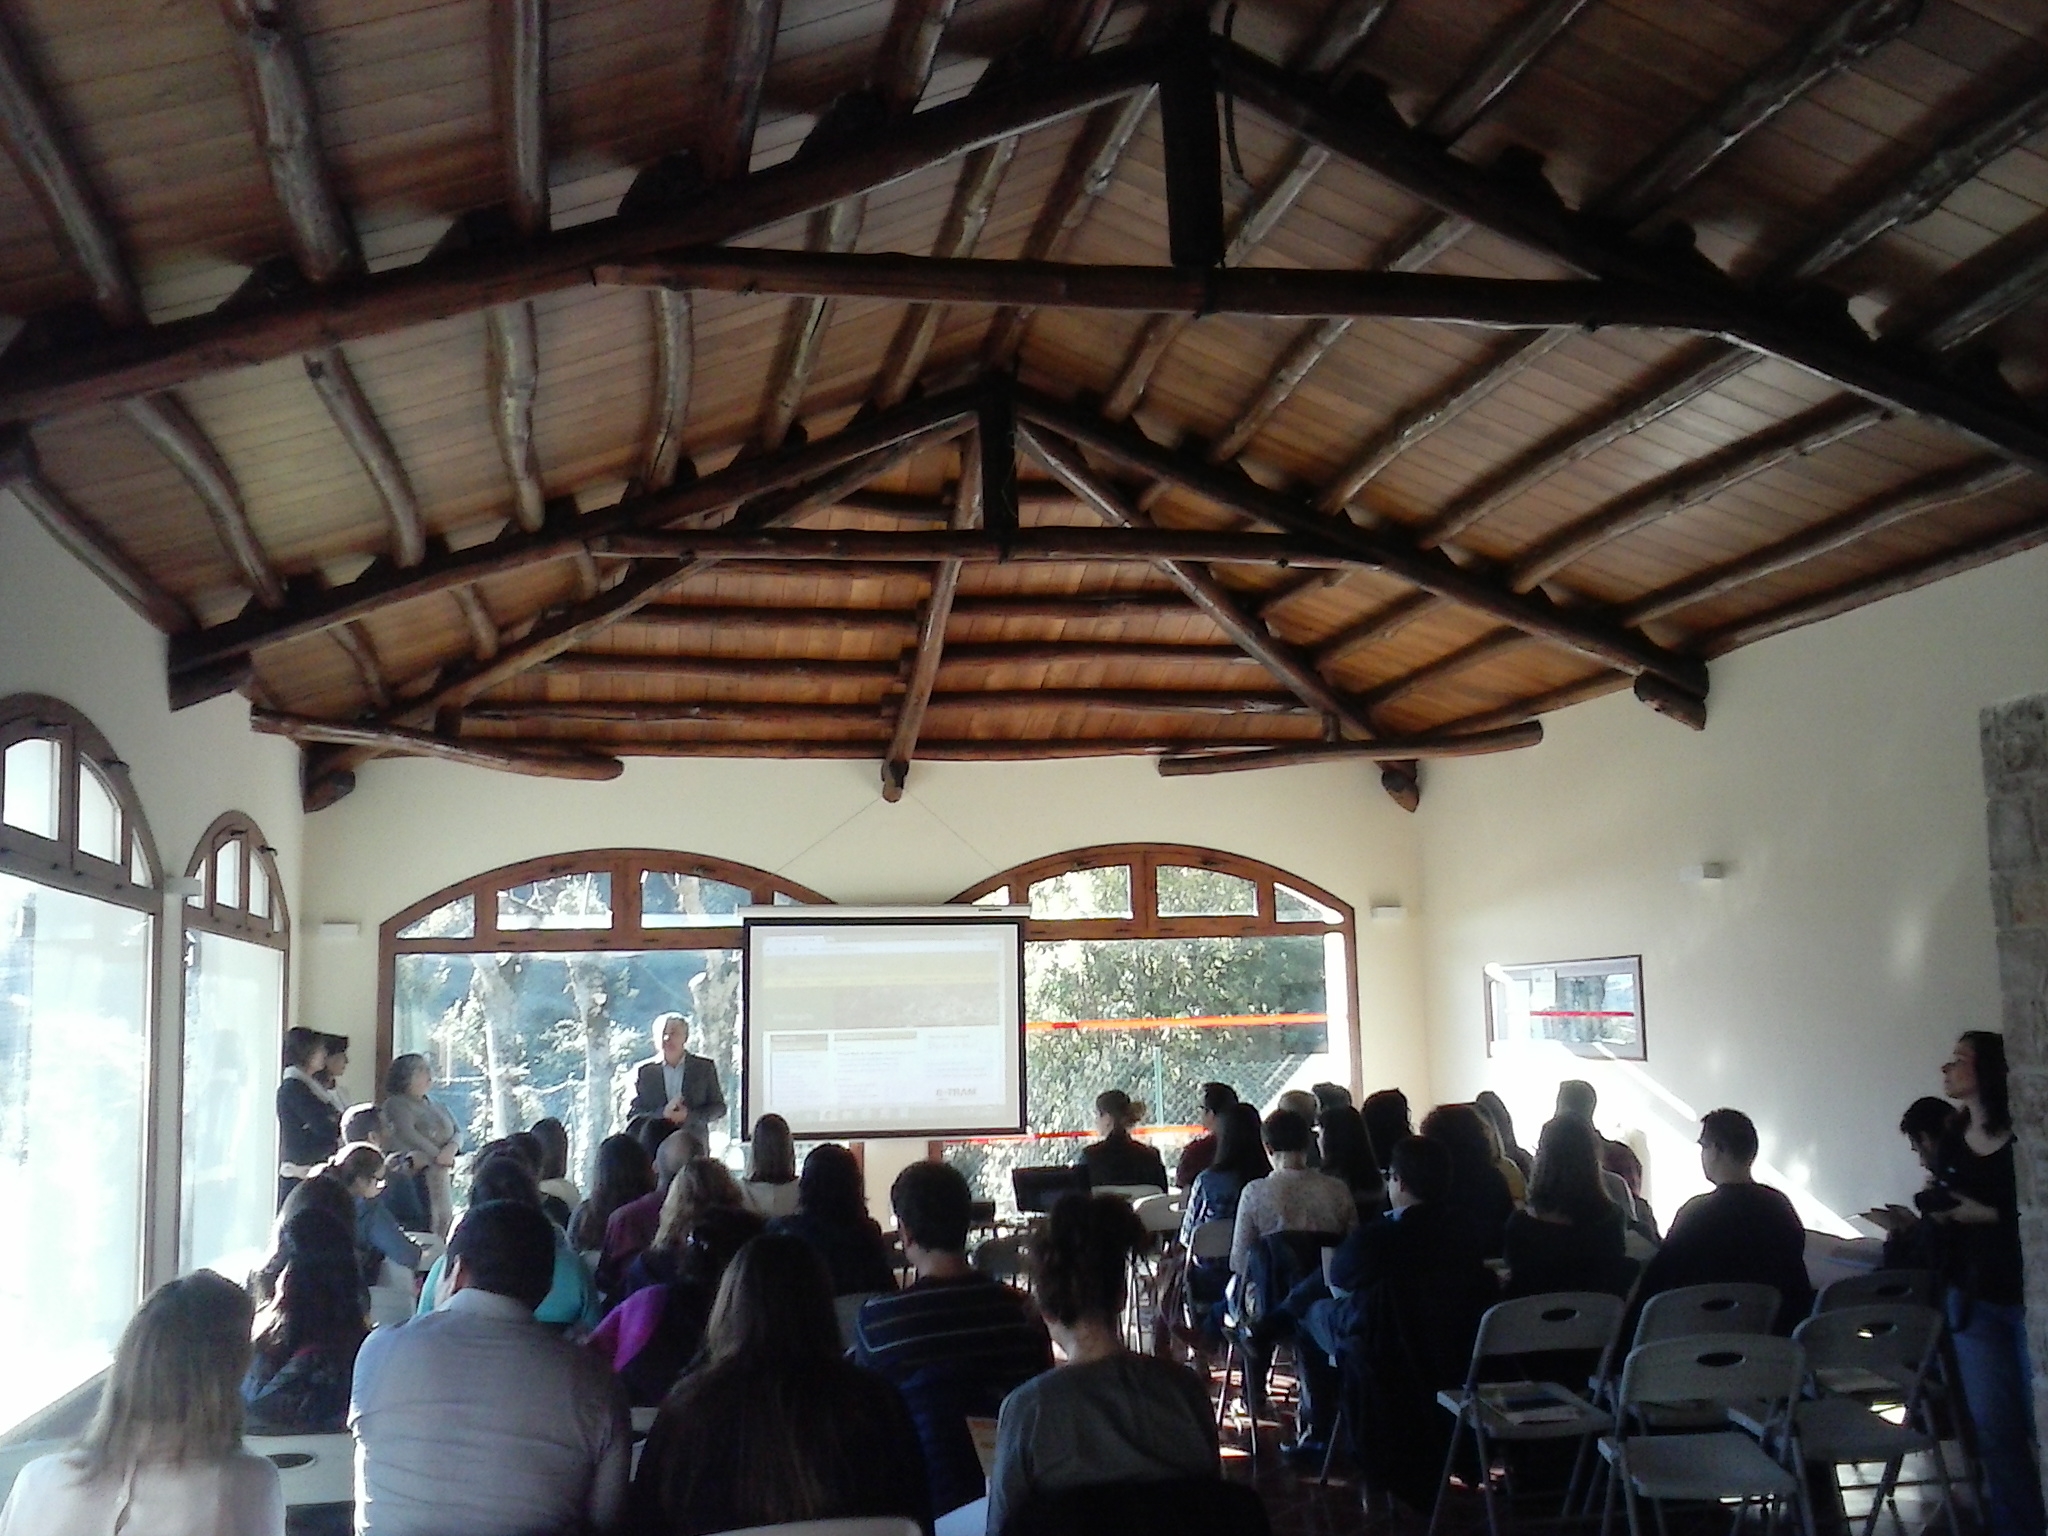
x: 681, y: 1088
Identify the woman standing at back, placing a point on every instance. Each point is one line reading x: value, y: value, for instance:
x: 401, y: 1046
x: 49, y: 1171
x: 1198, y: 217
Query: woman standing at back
x: 308, y: 1124
x: 415, y: 1125
x: 163, y: 1455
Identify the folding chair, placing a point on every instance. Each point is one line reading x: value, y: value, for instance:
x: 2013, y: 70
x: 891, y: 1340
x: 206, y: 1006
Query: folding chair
x: 1758, y: 1373
x: 1879, y: 1287
x: 1737, y: 1307
x: 1526, y: 1410
x: 1281, y: 1258
x: 1858, y: 1358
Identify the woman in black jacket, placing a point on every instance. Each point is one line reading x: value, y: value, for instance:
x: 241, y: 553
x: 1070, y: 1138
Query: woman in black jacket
x: 308, y: 1124
x: 1120, y: 1160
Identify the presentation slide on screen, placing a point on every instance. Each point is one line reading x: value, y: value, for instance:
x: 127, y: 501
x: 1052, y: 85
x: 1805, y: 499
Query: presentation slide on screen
x: 880, y: 1028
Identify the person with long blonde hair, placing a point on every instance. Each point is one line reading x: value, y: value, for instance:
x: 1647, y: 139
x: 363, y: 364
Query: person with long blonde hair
x: 163, y: 1455
x: 704, y: 1195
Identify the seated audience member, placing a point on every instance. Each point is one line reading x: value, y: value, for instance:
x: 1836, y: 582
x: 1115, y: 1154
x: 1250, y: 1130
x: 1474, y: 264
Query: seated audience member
x: 1479, y: 1202
x: 770, y: 1186
x: 1387, y: 1123
x: 1240, y: 1158
x: 1347, y: 1155
x: 360, y: 1168
x: 1489, y: 1104
x: 955, y: 1343
x: 1200, y: 1153
x: 478, y: 1421
x: 1570, y: 1238
x: 1119, y: 1160
x: 1293, y: 1197
x: 832, y: 1216
x: 323, y: 1193
x: 1407, y: 1295
x: 773, y: 1424
x: 1911, y: 1241
x: 1510, y: 1171
x: 651, y: 1337
x: 422, y: 1129
x: 1304, y: 1104
x: 308, y: 1124
x: 555, y: 1183
x: 625, y: 1173
x: 532, y: 1150
x: 1331, y: 1096
x: 633, y: 1225
x: 1107, y: 1415
x: 405, y: 1190
x: 1741, y: 1230
x: 703, y: 1188
x: 570, y: 1301
x: 307, y: 1337
x: 163, y: 1455
x: 1575, y: 1096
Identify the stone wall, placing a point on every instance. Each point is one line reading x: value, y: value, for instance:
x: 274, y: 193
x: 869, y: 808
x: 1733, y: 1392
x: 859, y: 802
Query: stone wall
x: 2015, y: 741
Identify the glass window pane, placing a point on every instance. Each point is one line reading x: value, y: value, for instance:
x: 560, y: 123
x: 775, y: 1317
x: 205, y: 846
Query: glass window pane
x: 99, y: 817
x: 999, y: 897
x: 30, y: 786
x: 688, y: 901
x: 456, y: 920
x: 1104, y: 892
x: 1188, y: 892
x: 566, y: 901
x: 1290, y: 906
x: 259, y: 888
x: 784, y: 899
x: 138, y: 862
x: 512, y: 1037
x: 74, y: 1001
x: 234, y: 1018
x: 227, y: 873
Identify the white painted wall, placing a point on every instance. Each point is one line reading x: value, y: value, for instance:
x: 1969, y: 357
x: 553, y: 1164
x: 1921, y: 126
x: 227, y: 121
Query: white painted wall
x: 412, y: 827
x: 63, y: 633
x: 1821, y: 985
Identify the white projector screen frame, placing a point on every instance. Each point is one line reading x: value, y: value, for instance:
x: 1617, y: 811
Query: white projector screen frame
x: 758, y: 923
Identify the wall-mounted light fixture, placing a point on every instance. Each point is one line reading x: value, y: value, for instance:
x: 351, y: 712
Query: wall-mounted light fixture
x: 342, y: 929
x: 1703, y: 874
x: 1386, y: 911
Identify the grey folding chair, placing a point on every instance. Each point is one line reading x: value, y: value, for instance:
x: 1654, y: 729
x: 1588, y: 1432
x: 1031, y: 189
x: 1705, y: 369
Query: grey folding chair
x: 1758, y: 1373
x: 1879, y: 1287
x: 1736, y: 1307
x: 1526, y: 1410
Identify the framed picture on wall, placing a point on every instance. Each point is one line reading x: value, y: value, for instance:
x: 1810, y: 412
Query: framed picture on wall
x: 1590, y: 1007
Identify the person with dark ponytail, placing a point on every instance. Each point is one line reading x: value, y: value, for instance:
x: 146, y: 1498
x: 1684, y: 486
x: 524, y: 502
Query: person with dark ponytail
x: 1120, y: 1160
x: 1975, y: 1198
x: 1108, y: 1415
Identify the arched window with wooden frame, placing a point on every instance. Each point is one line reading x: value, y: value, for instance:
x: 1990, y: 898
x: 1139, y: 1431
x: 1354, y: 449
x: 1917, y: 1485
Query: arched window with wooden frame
x: 1155, y: 968
x: 531, y: 989
x: 80, y: 894
x: 237, y: 966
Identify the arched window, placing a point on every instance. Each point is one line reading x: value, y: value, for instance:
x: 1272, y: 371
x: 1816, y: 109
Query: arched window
x: 1155, y: 968
x: 237, y: 949
x: 530, y: 989
x: 79, y: 895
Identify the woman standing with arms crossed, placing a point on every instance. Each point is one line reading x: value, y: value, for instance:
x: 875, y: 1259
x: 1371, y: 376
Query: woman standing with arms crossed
x: 415, y: 1125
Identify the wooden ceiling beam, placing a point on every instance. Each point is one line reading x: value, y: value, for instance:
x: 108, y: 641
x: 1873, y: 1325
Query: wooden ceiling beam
x: 1346, y: 29
x: 1387, y: 552
x: 675, y: 363
x: 1079, y: 607
x: 1593, y: 686
x: 50, y: 168
x: 514, y: 381
x: 1140, y: 541
x: 1274, y: 292
x: 1230, y: 758
x: 933, y: 618
x: 898, y: 624
x: 286, y: 121
x: 739, y: 668
x: 519, y: 55
x: 385, y: 584
x: 1023, y: 653
x: 910, y: 47
x: 1505, y: 59
x: 1698, y: 482
x: 711, y: 711
x: 2017, y: 281
x: 164, y: 420
x: 1850, y: 32
x: 743, y: 42
x: 978, y: 750
x: 1230, y: 613
x: 484, y: 639
x: 903, y: 622
x: 21, y: 472
x: 1923, y: 493
x: 1507, y: 204
x: 355, y: 642
x: 833, y: 231
x: 335, y: 382
x: 455, y: 283
x: 539, y: 759
x: 1162, y: 701
x: 1376, y: 627
x: 1485, y: 648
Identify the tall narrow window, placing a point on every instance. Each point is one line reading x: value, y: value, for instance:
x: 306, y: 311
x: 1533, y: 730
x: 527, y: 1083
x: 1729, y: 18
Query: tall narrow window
x: 237, y: 941
x: 1155, y: 969
x: 531, y: 989
x: 79, y: 894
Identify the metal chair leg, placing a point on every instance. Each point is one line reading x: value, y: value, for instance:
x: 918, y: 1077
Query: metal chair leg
x: 1443, y: 1485
x: 1330, y: 1450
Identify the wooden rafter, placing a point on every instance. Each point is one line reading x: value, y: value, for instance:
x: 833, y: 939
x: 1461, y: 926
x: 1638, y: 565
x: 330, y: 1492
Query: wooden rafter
x: 931, y: 627
x: 361, y: 651
x: 1852, y: 31
x: 989, y: 545
x: 287, y: 126
x: 832, y: 231
x: 1345, y: 30
x: 910, y: 47
x: 164, y: 420
x: 335, y: 382
x: 385, y: 584
x: 519, y: 51
x: 743, y: 41
x: 177, y: 352
x: 675, y: 354
x: 1227, y: 757
x: 22, y: 474
x: 476, y: 618
x: 39, y: 147
x: 514, y: 351
x: 749, y: 669
x: 538, y: 759
x: 2018, y: 276
x: 1466, y: 656
x: 1375, y: 627
x: 1506, y: 58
